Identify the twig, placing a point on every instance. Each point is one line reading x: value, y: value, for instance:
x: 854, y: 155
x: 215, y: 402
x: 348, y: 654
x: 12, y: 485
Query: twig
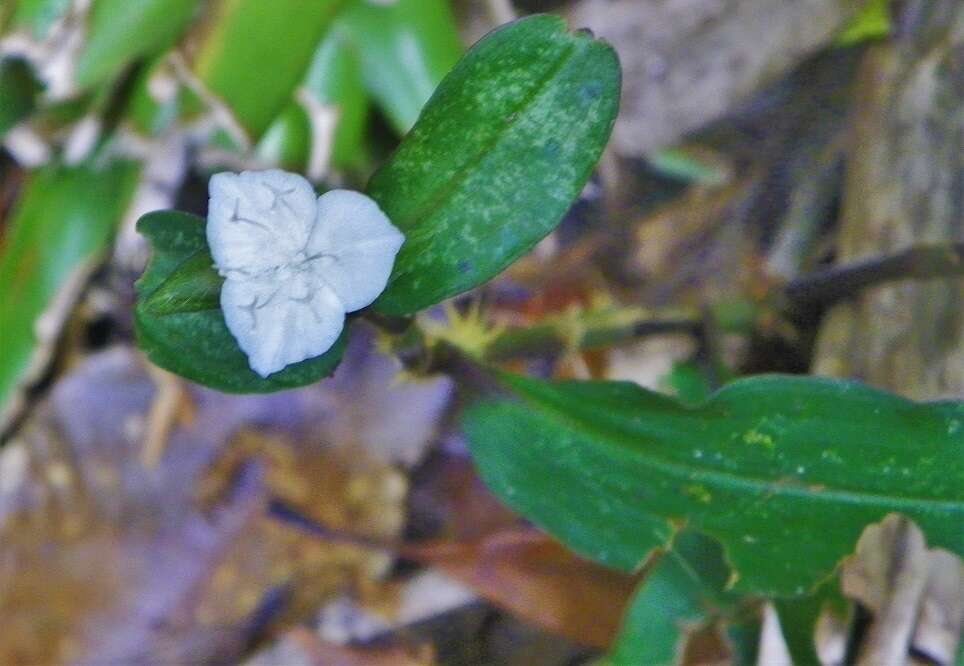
x: 589, y: 330
x: 161, y: 417
x: 604, y: 327
x: 573, y: 331
x: 921, y: 262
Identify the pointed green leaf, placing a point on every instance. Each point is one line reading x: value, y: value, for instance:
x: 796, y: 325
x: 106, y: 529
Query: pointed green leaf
x: 335, y: 80
x: 784, y: 471
x: 257, y: 52
x: 176, y: 331
x: 496, y: 159
x: 61, y: 226
x: 121, y: 31
x: 406, y: 47
x: 333, y: 85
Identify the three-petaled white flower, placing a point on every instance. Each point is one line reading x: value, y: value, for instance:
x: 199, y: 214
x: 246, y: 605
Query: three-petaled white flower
x: 294, y: 264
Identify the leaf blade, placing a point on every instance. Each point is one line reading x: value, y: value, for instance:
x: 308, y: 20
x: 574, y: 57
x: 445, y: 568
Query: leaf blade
x: 764, y: 460
x: 498, y: 155
x: 193, y: 286
x: 121, y: 31
x: 190, y: 338
x: 679, y: 594
x: 406, y: 47
x: 19, y: 91
x: 63, y: 221
x: 242, y: 60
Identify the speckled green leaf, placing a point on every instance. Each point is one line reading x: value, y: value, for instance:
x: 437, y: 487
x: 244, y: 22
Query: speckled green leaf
x: 255, y: 54
x: 63, y: 221
x: 497, y: 157
x: 194, y: 342
x: 18, y: 92
x: 682, y: 592
x: 406, y: 47
x: 784, y: 471
x: 121, y: 31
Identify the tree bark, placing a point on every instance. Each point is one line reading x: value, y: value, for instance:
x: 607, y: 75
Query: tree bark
x: 905, y: 186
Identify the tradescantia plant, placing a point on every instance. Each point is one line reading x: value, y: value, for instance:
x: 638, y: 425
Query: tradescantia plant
x: 757, y: 491
x: 496, y: 158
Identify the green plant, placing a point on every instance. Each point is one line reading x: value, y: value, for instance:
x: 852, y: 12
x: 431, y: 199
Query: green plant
x: 476, y: 183
x: 756, y: 491
x: 614, y: 471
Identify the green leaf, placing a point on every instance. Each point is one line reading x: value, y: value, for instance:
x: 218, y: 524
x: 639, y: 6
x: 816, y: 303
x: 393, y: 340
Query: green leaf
x: 743, y: 635
x: 406, y: 47
x: 679, y: 595
x: 333, y: 83
x: 784, y: 471
x: 38, y: 16
x: 53, y: 117
x: 18, y: 90
x: 688, y: 382
x: 684, y: 165
x: 122, y: 31
x: 497, y: 157
x: 62, y: 224
x: 148, y: 115
x: 798, y: 620
x: 6, y: 14
x: 257, y: 52
x: 872, y: 22
x: 179, y: 335
x: 335, y: 80
x: 287, y: 141
x: 193, y: 286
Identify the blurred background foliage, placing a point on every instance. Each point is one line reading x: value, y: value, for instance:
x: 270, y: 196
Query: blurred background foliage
x: 764, y: 152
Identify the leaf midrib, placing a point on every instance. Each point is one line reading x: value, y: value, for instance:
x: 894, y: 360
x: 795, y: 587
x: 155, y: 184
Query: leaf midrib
x: 462, y: 173
x: 728, y: 480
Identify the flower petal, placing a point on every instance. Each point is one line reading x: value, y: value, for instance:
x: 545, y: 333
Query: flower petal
x: 280, y: 322
x: 258, y: 220
x: 357, y: 244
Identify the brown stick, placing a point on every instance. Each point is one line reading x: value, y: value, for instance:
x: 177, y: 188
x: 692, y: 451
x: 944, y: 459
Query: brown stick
x: 921, y: 262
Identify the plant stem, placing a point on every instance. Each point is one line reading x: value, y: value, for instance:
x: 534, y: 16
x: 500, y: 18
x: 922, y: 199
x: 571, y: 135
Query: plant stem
x: 921, y: 262
x: 588, y: 330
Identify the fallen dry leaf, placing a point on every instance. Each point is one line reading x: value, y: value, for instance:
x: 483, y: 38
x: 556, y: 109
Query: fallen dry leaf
x: 536, y: 578
x: 186, y: 561
x: 448, y: 500
x: 301, y: 647
x: 916, y: 595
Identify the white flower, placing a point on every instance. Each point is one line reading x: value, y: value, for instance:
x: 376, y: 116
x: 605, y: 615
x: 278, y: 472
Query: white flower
x: 294, y: 264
